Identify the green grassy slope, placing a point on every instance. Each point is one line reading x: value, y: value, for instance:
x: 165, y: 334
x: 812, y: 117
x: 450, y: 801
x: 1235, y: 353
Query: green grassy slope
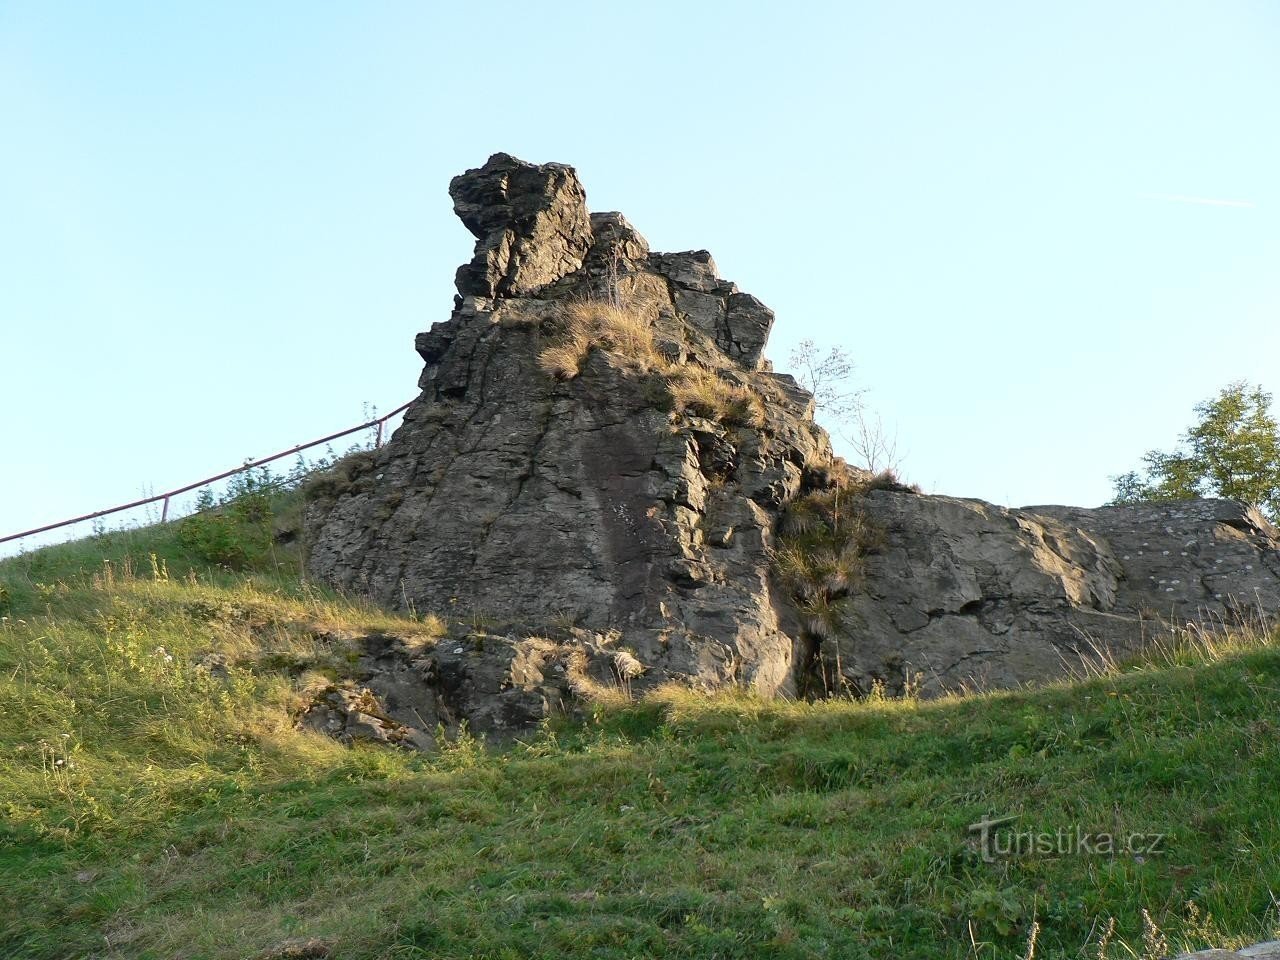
x: 151, y: 807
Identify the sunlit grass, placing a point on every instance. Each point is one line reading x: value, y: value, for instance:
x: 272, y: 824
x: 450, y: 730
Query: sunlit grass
x: 158, y: 800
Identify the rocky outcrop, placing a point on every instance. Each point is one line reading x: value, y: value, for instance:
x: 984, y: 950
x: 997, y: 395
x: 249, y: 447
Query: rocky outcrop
x: 964, y: 594
x: 613, y: 515
x: 598, y: 501
x: 403, y: 694
x: 490, y: 682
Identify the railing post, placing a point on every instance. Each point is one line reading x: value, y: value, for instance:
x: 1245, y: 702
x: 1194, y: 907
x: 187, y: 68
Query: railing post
x: 164, y: 511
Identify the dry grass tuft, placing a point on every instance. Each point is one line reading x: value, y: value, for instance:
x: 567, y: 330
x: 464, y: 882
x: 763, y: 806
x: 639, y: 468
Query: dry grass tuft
x: 888, y: 479
x: 701, y: 392
x: 564, y: 360
x: 626, y: 333
x: 622, y: 330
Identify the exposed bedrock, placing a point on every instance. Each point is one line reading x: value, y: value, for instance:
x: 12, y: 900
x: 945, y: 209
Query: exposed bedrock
x: 967, y: 594
x: 610, y: 516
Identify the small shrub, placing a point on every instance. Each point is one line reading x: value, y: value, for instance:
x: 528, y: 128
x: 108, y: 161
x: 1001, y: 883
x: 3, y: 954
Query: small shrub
x: 235, y: 533
x: 995, y: 909
x: 218, y: 539
x: 248, y: 496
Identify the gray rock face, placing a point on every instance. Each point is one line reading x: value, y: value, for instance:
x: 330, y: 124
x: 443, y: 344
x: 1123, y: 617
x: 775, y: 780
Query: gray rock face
x: 967, y: 594
x: 513, y: 496
x: 402, y: 695
x: 738, y: 322
x: 589, y: 525
x: 530, y: 224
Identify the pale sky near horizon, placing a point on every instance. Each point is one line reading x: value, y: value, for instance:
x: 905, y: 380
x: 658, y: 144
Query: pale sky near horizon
x: 1043, y: 232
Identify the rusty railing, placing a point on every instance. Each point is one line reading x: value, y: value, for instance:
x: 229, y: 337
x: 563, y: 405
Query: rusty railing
x: 165, y: 498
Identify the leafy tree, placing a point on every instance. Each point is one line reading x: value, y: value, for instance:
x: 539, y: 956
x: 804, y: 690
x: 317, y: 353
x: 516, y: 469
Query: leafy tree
x: 1233, y: 451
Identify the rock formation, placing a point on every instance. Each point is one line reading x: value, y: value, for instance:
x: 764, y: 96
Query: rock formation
x: 512, y: 496
x: 590, y: 484
x: 966, y: 594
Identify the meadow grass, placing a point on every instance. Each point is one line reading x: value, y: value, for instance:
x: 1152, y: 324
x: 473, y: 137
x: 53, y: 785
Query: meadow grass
x: 156, y: 800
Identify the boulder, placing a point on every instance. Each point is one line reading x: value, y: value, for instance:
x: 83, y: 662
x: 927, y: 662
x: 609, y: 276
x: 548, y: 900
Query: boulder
x: 530, y: 224
x: 1269, y: 950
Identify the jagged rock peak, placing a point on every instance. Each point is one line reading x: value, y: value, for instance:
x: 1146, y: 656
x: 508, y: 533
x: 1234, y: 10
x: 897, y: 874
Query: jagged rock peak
x: 530, y: 223
x: 533, y: 231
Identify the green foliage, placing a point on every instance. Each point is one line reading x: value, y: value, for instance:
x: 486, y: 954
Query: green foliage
x: 235, y: 533
x: 1232, y: 451
x: 992, y: 907
x: 179, y: 549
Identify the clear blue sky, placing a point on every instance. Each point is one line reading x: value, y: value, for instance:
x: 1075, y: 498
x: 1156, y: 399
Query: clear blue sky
x: 222, y: 224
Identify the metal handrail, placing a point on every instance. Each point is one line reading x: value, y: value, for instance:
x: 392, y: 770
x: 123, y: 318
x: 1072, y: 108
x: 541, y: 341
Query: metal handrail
x: 247, y: 465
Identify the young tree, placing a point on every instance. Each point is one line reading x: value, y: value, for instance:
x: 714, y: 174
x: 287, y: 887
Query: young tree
x: 829, y: 377
x: 1233, y: 451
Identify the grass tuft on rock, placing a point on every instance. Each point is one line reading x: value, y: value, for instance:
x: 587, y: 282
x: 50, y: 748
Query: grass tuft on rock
x: 818, y: 556
x: 705, y: 393
x: 625, y: 332
x: 582, y: 325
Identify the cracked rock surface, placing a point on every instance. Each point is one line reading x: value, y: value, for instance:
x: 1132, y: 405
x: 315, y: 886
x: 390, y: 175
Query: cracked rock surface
x: 511, y: 495
x: 967, y: 594
x: 568, y: 510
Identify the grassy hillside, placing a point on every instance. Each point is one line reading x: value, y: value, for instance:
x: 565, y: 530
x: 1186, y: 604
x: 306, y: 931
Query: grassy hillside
x: 156, y: 800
